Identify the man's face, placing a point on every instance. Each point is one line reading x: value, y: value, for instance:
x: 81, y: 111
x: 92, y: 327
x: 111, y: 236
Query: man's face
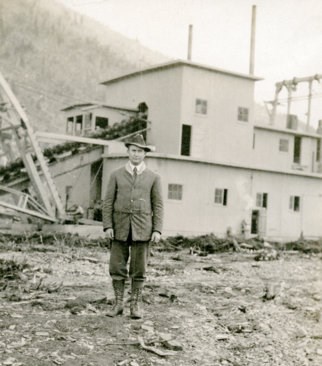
x: 136, y: 154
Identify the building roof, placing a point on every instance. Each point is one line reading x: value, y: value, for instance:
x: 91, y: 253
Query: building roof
x: 177, y: 63
x: 185, y: 159
x: 287, y: 131
x: 79, y: 105
x: 89, y: 105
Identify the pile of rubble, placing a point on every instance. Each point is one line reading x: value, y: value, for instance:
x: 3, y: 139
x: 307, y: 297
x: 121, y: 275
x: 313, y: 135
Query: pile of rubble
x: 50, y: 238
x: 210, y: 244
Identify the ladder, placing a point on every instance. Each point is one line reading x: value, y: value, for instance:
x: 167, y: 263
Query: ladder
x: 27, y: 144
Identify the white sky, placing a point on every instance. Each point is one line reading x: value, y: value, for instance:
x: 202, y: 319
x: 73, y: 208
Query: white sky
x: 288, y: 34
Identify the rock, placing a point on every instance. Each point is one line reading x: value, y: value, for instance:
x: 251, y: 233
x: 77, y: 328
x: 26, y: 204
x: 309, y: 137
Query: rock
x: 316, y: 297
x: 9, y: 361
x: 246, y: 246
x: 165, y: 336
x: 264, y: 328
x: 269, y: 292
x: 134, y: 363
x: 222, y: 337
x: 149, y: 323
x: 229, y: 291
x: 300, y: 332
x: 313, y: 313
x: 267, y: 245
x: 173, y: 345
x: 147, y: 328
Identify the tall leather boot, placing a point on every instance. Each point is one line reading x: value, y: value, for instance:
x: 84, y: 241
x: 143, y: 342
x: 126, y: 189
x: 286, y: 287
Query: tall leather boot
x: 136, y: 300
x: 118, y: 286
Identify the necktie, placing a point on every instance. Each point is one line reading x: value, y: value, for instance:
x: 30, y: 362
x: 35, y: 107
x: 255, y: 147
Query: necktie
x: 135, y: 172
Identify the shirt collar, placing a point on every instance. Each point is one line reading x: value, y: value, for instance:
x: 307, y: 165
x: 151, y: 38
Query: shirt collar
x: 140, y: 168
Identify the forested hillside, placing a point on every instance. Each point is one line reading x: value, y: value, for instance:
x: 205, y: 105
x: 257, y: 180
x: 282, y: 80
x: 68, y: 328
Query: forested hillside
x: 53, y: 57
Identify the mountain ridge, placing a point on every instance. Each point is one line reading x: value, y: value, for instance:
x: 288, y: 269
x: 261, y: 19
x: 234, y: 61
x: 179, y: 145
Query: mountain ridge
x: 53, y: 57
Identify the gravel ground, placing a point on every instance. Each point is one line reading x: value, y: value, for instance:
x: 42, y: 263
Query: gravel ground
x: 221, y: 309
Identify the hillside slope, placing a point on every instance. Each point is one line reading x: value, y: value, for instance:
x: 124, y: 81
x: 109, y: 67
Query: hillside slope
x: 53, y: 57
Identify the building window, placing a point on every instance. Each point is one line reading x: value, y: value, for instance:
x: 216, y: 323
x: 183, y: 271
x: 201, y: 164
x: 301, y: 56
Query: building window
x: 101, y: 122
x: 318, y: 150
x: 261, y: 200
x: 79, y: 124
x: 283, y: 146
x: 175, y: 191
x: 297, y: 149
x: 294, y: 203
x: 70, y: 125
x: 185, y: 140
x: 221, y: 196
x: 201, y: 106
x: 242, y: 114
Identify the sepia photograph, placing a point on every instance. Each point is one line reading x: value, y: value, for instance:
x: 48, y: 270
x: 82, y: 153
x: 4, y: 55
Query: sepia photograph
x: 160, y: 182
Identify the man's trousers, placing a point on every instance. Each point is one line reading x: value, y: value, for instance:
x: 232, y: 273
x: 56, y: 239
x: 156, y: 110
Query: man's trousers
x: 137, y: 252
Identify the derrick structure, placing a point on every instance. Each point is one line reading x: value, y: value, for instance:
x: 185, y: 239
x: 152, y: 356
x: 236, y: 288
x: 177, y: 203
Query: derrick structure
x: 18, y: 141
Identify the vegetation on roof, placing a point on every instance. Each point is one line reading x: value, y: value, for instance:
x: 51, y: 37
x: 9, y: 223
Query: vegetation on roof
x: 14, y: 169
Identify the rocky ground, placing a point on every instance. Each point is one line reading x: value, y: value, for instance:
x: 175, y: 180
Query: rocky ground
x: 217, y: 309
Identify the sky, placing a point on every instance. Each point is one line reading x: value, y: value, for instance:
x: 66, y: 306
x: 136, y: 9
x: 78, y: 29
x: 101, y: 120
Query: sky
x: 288, y: 40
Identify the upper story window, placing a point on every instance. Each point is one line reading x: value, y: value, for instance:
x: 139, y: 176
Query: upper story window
x: 294, y: 203
x: 88, y: 122
x: 70, y: 125
x: 283, y: 145
x: 243, y: 114
x: 297, y: 149
x: 221, y: 196
x: 79, y: 124
x: 201, y: 106
x: 185, y: 140
x: 261, y: 200
x: 175, y: 191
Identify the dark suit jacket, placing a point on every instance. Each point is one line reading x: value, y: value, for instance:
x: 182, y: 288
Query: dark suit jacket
x: 138, y: 205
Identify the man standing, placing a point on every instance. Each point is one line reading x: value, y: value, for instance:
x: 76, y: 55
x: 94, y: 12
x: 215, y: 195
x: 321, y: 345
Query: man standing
x: 132, y: 218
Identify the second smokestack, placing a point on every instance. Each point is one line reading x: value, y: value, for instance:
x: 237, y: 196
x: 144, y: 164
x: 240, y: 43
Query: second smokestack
x: 190, y: 42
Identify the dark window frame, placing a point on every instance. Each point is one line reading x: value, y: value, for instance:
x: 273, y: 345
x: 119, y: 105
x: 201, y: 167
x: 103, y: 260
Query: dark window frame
x: 186, y: 133
x: 261, y: 199
x: 284, y: 145
x: 201, y: 106
x: 243, y: 114
x: 295, y: 203
x: 297, y: 149
x: 175, y: 191
x: 221, y: 196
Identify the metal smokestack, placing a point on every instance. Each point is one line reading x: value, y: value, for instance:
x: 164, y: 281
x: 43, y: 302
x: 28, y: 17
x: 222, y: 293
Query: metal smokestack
x: 252, y: 42
x: 190, y: 43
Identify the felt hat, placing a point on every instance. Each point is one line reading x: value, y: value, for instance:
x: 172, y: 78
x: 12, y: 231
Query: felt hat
x: 137, y: 140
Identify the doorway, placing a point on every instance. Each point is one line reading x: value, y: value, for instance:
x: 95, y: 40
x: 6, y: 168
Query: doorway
x: 255, y: 222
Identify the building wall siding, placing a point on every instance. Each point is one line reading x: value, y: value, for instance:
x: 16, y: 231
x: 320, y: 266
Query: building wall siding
x: 197, y: 213
x: 214, y: 133
x: 161, y: 91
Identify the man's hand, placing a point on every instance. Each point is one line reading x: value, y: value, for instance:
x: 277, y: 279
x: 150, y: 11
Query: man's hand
x: 156, y: 236
x: 110, y: 233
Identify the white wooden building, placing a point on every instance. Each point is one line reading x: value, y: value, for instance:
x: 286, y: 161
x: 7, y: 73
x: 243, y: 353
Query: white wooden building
x: 219, y: 169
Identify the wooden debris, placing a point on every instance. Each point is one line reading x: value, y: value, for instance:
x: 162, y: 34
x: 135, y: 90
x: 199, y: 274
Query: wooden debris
x: 90, y: 259
x: 172, y: 345
x: 267, y: 255
x: 154, y: 349
x: 236, y: 245
x: 211, y: 269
